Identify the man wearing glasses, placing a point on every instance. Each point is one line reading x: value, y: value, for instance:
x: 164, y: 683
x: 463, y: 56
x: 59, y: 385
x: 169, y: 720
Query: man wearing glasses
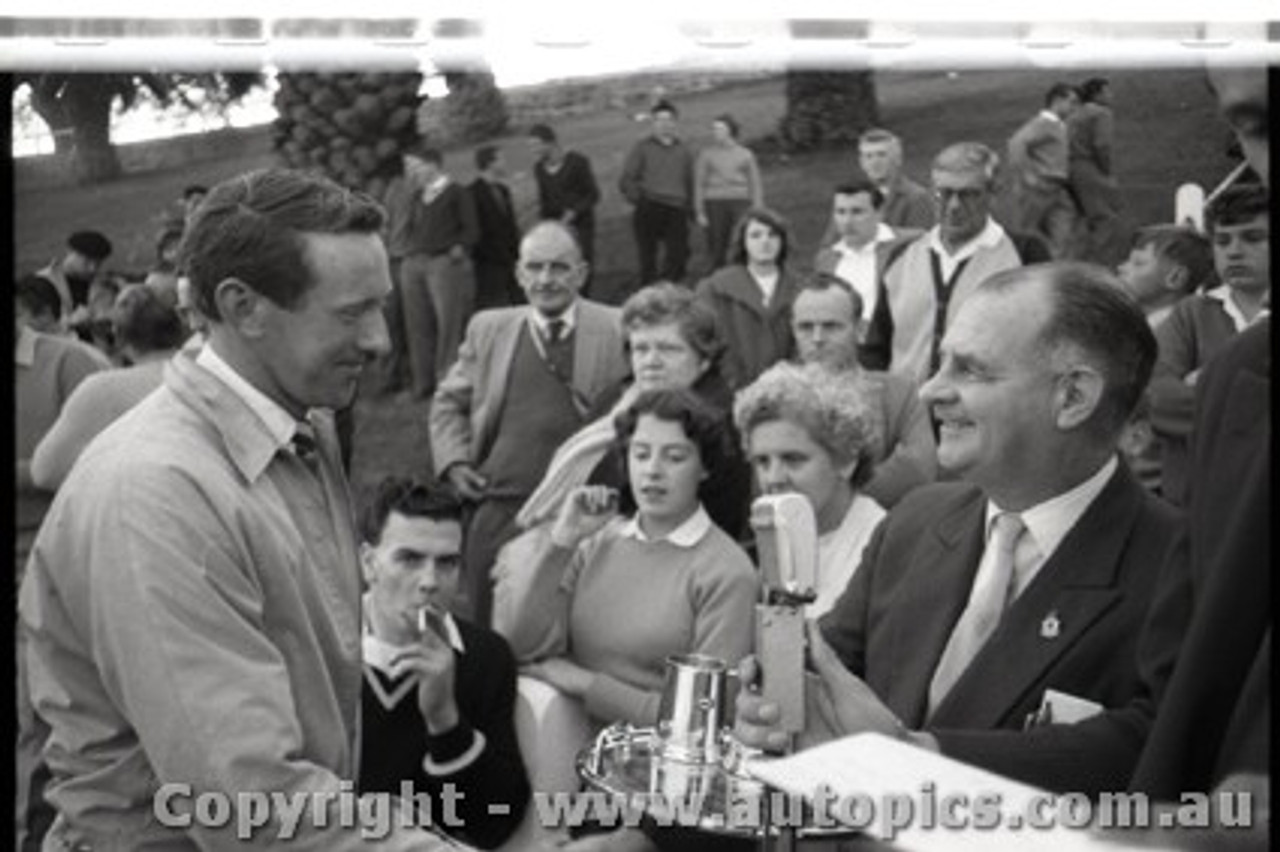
x: 526, y: 379
x: 937, y: 272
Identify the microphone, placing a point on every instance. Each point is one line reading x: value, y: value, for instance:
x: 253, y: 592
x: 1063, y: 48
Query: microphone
x: 787, y: 544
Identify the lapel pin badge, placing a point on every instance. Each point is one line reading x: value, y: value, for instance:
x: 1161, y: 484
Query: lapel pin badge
x: 1050, y: 627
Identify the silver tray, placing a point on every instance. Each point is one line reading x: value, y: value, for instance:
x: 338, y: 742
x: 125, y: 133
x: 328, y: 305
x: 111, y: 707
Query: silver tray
x: 625, y: 762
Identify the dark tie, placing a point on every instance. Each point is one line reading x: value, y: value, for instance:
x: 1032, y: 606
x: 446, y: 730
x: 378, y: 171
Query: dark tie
x: 555, y: 331
x: 305, y: 447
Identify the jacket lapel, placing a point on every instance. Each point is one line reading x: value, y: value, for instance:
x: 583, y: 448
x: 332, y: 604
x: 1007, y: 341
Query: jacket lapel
x: 1075, y: 588
x: 932, y: 597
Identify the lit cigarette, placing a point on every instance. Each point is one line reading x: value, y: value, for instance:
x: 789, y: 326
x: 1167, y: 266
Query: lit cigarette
x: 422, y: 619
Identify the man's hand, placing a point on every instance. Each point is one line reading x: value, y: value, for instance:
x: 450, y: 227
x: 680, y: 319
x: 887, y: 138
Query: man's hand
x: 837, y: 703
x: 568, y: 216
x: 703, y: 221
x: 458, y: 252
x: 467, y: 481
x: 432, y: 659
x: 584, y: 512
x: 844, y: 703
x: 565, y: 675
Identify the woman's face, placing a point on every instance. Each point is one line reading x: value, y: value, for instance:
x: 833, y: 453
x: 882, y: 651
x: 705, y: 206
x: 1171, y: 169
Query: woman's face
x: 661, y: 359
x: 665, y: 468
x: 786, y: 459
x: 762, y: 242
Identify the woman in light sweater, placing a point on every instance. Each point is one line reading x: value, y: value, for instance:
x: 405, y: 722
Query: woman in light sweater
x: 597, y: 612
x: 808, y: 430
x: 726, y: 181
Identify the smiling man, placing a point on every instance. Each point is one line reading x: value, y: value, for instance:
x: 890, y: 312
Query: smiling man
x: 191, y: 610
x: 977, y: 598
x: 525, y: 380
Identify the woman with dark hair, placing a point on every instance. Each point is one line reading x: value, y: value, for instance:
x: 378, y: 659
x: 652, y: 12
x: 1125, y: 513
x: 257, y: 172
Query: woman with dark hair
x: 673, y: 342
x: 726, y: 182
x: 147, y: 330
x: 597, y: 612
x: 752, y: 297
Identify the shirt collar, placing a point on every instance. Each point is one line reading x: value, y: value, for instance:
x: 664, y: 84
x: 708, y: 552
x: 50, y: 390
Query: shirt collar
x: 989, y: 237
x: 24, y: 350
x: 1222, y: 293
x: 884, y: 234
x: 686, y: 535
x: 1157, y: 317
x: 280, y: 424
x: 570, y: 317
x: 1049, y: 522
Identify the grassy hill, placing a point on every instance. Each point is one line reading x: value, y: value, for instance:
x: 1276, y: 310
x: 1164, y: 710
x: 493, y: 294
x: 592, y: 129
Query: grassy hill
x: 1167, y: 133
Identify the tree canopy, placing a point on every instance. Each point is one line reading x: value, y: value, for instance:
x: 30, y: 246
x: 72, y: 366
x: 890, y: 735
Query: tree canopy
x: 77, y: 107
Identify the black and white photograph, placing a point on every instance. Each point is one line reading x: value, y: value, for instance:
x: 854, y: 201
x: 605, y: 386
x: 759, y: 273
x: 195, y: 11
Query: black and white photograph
x: 452, y: 429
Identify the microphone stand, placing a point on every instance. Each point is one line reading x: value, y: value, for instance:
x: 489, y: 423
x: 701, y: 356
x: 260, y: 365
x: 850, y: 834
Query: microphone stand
x: 787, y: 545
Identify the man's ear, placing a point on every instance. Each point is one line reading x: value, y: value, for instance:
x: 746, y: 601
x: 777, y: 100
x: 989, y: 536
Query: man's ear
x: 1175, y: 280
x: 860, y: 327
x: 367, y: 568
x: 241, y: 307
x: 1077, y: 396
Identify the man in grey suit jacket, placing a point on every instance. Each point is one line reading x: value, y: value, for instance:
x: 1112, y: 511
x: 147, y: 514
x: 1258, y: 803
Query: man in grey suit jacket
x: 1040, y: 371
x: 524, y: 381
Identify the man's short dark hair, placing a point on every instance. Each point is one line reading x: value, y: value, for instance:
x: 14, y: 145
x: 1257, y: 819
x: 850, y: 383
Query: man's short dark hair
x: 664, y: 105
x: 38, y: 296
x: 1183, y: 246
x: 251, y: 228
x: 859, y: 185
x: 1092, y: 311
x: 485, y: 155
x: 543, y: 132
x: 411, y: 498
x: 91, y: 244
x: 1237, y: 204
x: 821, y: 282
x: 194, y: 189
x: 144, y: 321
x: 704, y: 425
x: 1058, y: 91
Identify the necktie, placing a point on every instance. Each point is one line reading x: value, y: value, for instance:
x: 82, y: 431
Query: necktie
x: 306, y: 448
x: 555, y: 331
x: 987, y: 602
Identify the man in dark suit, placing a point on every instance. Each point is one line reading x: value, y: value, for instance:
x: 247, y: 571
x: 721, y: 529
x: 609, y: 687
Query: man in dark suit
x: 498, y: 245
x: 1036, y: 572
x: 525, y: 379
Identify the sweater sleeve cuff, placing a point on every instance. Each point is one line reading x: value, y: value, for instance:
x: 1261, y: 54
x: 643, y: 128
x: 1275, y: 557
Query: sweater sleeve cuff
x: 612, y: 700
x: 453, y: 750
